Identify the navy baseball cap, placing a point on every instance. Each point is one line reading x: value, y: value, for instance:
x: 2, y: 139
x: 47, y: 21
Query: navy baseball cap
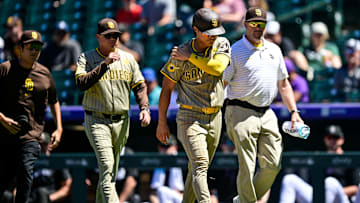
x: 208, y: 22
x: 62, y: 25
x: 149, y: 74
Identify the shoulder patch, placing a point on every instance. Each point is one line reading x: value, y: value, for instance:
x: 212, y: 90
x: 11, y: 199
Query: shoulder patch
x: 171, y: 67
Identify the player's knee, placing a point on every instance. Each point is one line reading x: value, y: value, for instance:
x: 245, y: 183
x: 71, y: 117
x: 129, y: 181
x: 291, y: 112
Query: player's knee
x: 290, y: 179
x: 331, y: 182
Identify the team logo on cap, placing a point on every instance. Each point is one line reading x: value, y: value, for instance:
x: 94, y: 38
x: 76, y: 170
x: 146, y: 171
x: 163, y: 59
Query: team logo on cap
x: 258, y: 12
x: 110, y: 25
x: 214, y: 22
x: 34, y: 35
x: 10, y: 19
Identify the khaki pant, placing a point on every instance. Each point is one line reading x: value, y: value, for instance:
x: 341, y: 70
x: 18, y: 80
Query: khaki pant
x: 199, y: 134
x: 107, y: 138
x: 255, y: 135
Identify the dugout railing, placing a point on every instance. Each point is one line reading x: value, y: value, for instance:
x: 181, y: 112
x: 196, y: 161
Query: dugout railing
x: 79, y: 163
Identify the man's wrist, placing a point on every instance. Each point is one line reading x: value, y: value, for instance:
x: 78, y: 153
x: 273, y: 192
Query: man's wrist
x: 294, y: 111
x: 145, y: 109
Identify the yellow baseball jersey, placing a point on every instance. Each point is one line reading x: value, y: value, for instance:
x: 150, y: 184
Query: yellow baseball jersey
x: 111, y: 94
x: 196, y: 87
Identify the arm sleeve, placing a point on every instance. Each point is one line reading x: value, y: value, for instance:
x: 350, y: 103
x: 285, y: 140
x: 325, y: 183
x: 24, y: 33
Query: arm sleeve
x: 215, y: 66
x: 140, y: 92
x: 85, y: 80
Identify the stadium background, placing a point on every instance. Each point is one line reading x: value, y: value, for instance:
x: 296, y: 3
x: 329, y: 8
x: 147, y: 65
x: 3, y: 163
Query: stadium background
x: 341, y: 16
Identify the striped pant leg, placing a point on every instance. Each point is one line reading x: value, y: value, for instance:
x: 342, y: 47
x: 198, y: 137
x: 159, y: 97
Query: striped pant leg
x: 100, y: 138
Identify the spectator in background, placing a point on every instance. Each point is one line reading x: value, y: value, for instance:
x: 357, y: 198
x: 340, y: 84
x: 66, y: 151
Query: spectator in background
x: 50, y: 185
x: 62, y: 53
x: 126, y: 44
x: 153, y: 88
x: 298, y: 83
x: 321, y: 54
x: 230, y: 11
x: 158, y: 13
x: 339, y: 185
x: 129, y: 13
x: 347, y: 79
x: 172, y: 190
x: 2, y: 45
x: 126, y: 181
x: 14, y: 30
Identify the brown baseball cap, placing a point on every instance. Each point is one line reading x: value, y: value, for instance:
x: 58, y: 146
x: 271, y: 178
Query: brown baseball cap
x: 208, y: 22
x: 13, y: 21
x: 255, y: 14
x: 107, y: 25
x: 30, y: 36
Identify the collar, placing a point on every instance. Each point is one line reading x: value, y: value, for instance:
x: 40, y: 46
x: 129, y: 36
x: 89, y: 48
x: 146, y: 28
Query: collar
x: 250, y: 46
x: 196, y: 51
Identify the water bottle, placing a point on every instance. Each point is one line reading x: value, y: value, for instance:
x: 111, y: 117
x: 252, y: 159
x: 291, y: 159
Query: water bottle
x: 300, y: 130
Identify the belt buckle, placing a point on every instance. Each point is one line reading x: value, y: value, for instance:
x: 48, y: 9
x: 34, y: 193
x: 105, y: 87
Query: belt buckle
x: 208, y: 110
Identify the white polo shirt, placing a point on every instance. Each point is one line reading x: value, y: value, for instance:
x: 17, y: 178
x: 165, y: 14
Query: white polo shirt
x: 254, y: 72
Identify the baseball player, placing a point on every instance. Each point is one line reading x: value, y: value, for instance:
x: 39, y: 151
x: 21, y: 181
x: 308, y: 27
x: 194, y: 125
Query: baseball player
x: 196, y: 68
x: 255, y: 75
x: 107, y: 75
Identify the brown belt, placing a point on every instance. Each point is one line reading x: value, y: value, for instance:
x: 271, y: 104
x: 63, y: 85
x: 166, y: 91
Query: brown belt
x: 205, y: 110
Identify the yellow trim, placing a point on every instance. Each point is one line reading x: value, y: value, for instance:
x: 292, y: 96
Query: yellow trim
x: 98, y: 51
x: 205, y: 110
x: 77, y: 76
x: 168, y: 77
x: 138, y: 83
x: 193, y: 48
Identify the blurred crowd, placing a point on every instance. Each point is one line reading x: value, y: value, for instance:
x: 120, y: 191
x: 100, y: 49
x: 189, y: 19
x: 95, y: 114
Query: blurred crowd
x: 322, y: 71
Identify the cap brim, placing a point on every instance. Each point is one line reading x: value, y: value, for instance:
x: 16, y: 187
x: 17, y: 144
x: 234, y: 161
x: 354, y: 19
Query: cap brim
x: 32, y: 40
x: 256, y: 19
x: 110, y: 31
x: 215, y: 31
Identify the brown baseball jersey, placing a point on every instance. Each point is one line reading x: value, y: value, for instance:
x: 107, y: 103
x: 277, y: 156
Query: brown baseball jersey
x: 196, y: 87
x: 26, y: 92
x: 111, y: 93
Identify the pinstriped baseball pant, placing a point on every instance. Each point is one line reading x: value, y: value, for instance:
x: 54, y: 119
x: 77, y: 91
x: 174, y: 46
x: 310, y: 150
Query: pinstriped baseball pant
x: 255, y: 135
x: 199, y: 134
x: 107, y: 138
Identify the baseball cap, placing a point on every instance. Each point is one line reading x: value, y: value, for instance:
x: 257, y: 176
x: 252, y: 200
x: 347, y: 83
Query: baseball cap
x: 62, y: 25
x: 255, y: 14
x: 290, y: 66
x: 149, y: 74
x: 13, y: 21
x: 272, y: 27
x: 334, y: 130
x: 352, y: 45
x: 107, y: 25
x: 320, y: 27
x: 208, y: 22
x: 30, y: 36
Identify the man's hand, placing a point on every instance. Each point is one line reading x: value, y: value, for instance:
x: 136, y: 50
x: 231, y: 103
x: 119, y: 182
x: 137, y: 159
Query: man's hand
x: 12, y: 126
x: 113, y: 56
x: 180, y: 53
x: 145, y: 118
x: 162, y: 133
x: 295, y: 117
x: 55, y: 140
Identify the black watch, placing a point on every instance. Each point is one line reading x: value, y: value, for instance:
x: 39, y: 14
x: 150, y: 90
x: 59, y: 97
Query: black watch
x: 293, y: 111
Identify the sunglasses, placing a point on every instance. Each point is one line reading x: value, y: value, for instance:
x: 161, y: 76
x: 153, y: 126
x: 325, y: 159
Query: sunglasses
x: 261, y: 25
x: 34, y: 46
x: 112, y: 35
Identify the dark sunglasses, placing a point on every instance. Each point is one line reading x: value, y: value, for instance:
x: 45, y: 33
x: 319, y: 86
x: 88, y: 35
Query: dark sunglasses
x: 34, y: 46
x: 262, y: 25
x: 112, y: 35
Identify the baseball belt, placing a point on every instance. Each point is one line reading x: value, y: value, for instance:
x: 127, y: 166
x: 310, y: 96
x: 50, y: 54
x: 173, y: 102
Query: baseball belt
x: 247, y: 105
x: 112, y: 117
x: 205, y: 110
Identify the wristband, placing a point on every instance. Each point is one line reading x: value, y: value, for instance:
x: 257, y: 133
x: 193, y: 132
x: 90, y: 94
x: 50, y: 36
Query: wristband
x: 145, y: 109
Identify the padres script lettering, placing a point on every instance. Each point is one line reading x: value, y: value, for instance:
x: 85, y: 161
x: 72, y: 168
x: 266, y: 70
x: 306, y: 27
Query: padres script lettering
x: 117, y: 75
